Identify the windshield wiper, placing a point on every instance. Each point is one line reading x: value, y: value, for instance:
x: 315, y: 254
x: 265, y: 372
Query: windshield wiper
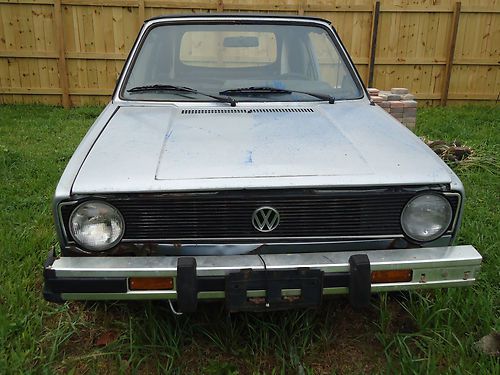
x: 162, y: 87
x: 273, y: 90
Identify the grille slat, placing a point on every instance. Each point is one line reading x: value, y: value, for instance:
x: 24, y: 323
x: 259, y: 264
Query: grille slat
x: 283, y: 212
x: 287, y: 218
x: 202, y: 206
x: 236, y: 226
x: 217, y: 201
x: 227, y: 215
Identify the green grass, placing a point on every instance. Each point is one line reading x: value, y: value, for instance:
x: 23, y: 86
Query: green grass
x: 427, y: 332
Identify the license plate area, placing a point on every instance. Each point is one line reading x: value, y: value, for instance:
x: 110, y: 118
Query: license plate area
x: 238, y: 284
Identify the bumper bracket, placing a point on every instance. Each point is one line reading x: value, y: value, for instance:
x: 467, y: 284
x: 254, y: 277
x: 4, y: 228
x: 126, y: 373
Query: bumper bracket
x: 359, y: 281
x: 187, y: 285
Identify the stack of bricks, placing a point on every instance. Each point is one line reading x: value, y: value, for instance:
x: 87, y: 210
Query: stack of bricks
x: 398, y: 102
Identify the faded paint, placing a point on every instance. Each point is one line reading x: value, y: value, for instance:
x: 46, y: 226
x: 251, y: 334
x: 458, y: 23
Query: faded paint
x: 156, y: 148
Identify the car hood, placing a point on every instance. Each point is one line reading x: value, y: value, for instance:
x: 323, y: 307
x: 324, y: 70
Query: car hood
x: 168, y: 148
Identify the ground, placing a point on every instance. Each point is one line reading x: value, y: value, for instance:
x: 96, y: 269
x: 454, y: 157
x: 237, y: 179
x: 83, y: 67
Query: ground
x: 426, y: 332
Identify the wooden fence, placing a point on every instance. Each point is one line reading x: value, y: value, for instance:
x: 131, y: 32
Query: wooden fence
x: 70, y: 52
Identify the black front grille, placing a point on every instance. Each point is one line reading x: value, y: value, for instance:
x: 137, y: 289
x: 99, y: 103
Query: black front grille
x: 228, y: 215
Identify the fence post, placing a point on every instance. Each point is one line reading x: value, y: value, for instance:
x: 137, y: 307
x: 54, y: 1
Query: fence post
x: 451, y: 53
x: 373, y: 41
x: 63, y: 70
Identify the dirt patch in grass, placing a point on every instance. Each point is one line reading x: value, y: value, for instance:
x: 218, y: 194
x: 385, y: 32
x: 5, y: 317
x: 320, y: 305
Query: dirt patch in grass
x: 353, y: 348
x: 203, y: 357
x: 338, y: 340
x: 343, y: 341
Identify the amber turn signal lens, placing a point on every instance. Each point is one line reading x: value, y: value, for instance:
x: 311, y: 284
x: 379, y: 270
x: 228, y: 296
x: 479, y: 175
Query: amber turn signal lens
x: 391, y: 276
x: 150, y: 283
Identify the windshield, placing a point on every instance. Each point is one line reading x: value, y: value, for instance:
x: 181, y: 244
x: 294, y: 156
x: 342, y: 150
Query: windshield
x: 223, y: 58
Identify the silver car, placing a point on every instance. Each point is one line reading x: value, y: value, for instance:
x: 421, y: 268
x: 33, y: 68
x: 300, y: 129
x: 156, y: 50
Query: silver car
x: 241, y: 159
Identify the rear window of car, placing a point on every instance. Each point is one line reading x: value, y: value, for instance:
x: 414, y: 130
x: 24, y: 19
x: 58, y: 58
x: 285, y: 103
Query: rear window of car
x: 230, y: 49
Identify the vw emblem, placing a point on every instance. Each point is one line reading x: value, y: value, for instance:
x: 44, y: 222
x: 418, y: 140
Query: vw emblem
x: 265, y: 219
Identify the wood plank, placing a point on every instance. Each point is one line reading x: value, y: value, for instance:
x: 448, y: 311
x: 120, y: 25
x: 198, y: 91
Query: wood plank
x: 129, y: 16
x: 93, y: 91
x: 346, y: 31
x: 435, y: 83
x: 476, y: 9
x: 29, y: 90
x: 301, y: 7
x: 63, y: 70
x: 409, y: 61
x: 393, y: 34
x: 435, y: 9
x: 20, y: 42
x: 30, y: 54
x: 29, y: 2
x: 220, y: 6
x: 40, y: 13
x: 429, y: 42
x: 96, y: 56
x: 477, y: 61
x: 333, y: 6
x: 360, y: 43
x: 141, y: 13
x: 423, y: 25
x: 183, y: 4
x: 451, y: 52
x: 458, y: 96
x: 4, y: 78
x: 52, y: 100
x: 103, y: 3
x: 261, y: 5
x: 412, y: 35
x: 109, y: 42
x: 97, y: 28
x: 472, y: 96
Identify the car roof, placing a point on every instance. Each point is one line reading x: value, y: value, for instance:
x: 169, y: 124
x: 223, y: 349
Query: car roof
x: 239, y: 15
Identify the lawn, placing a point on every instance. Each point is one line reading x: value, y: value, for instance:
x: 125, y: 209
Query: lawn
x: 419, y: 332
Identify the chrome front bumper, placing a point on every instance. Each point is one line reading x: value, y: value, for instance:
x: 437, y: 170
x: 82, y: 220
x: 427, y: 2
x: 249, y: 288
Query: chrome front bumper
x: 106, y: 278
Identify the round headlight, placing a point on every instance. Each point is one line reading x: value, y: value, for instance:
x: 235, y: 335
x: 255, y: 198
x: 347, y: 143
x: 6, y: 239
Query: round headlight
x: 96, y: 226
x: 426, y: 217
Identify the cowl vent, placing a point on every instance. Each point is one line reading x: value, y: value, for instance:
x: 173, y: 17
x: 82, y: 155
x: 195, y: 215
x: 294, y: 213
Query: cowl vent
x: 244, y: 110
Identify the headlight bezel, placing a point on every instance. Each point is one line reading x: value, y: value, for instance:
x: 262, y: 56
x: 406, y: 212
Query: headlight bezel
x: 85, y: 246
x: 446, y: 228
